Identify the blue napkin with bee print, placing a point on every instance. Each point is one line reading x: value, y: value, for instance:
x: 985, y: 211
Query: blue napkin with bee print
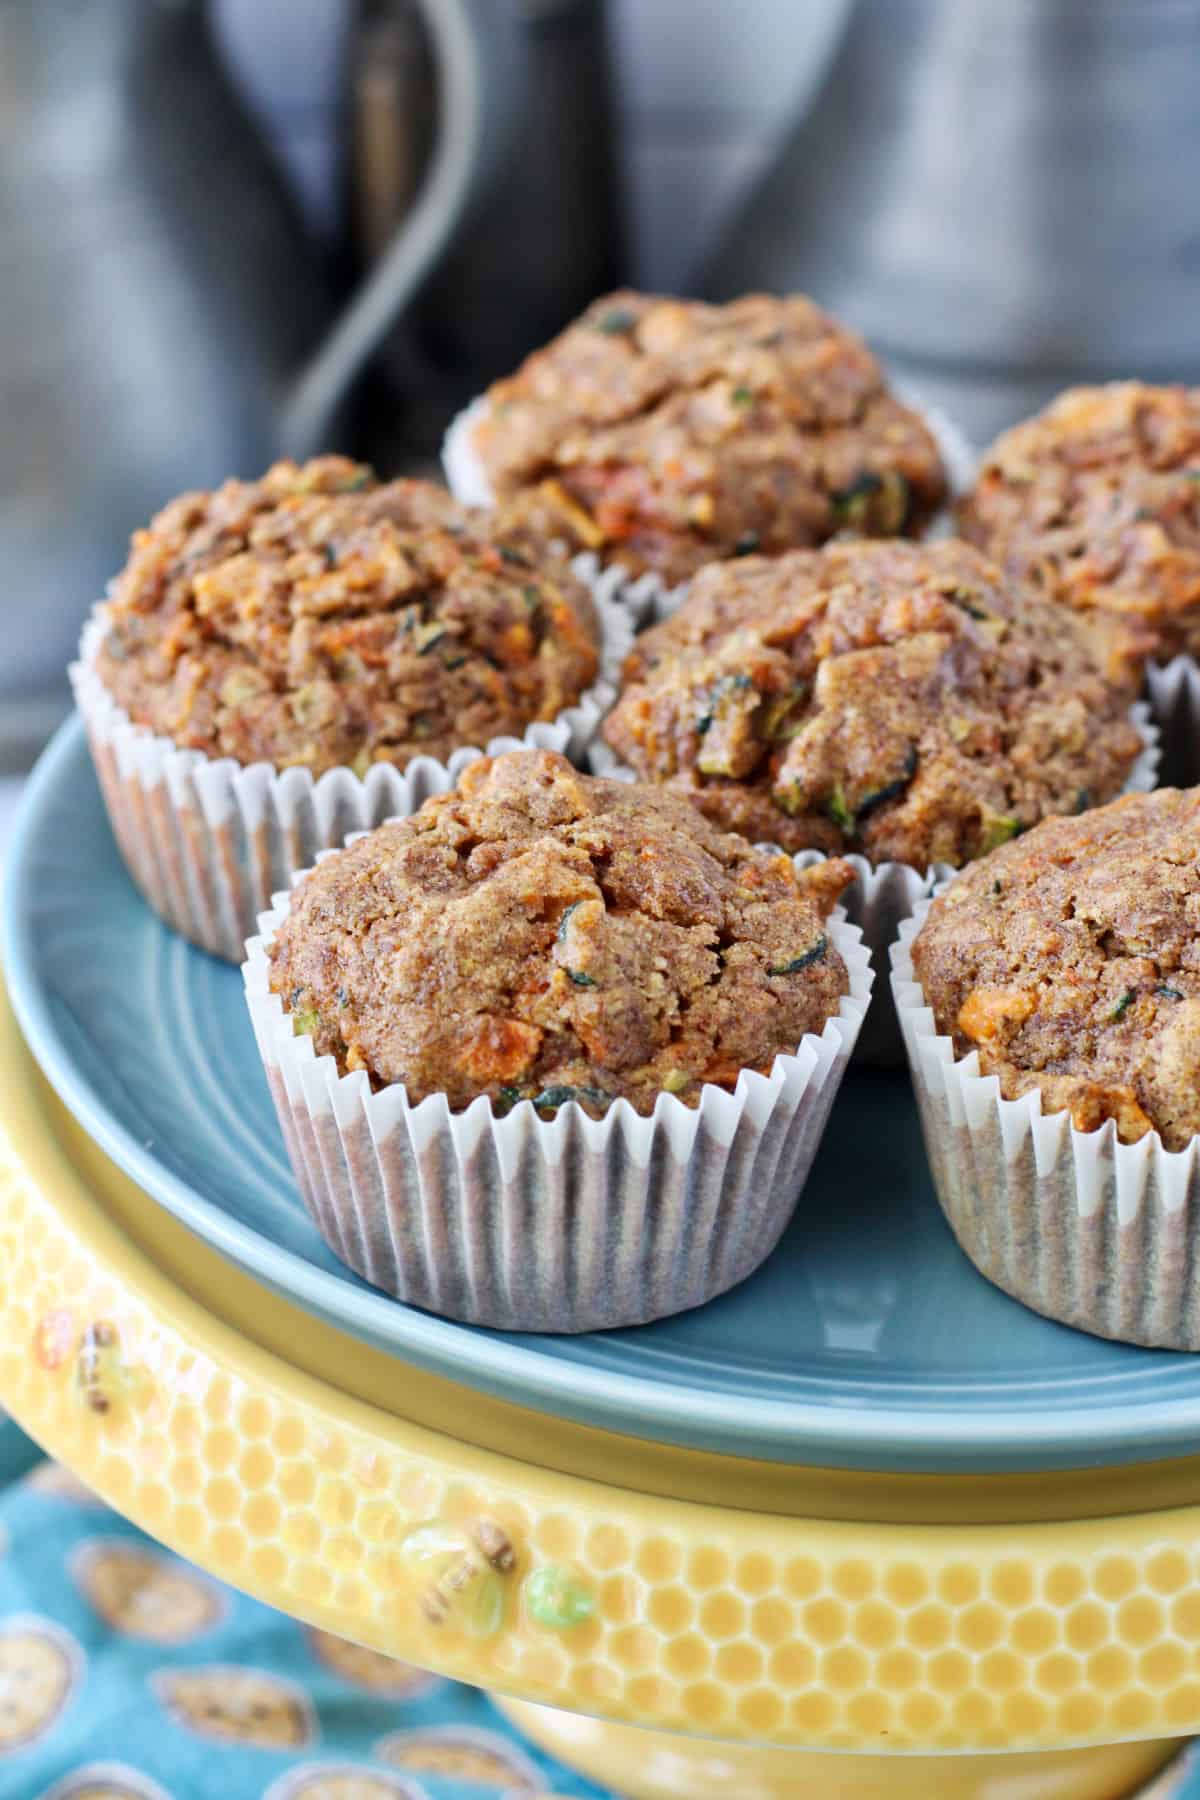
x: 126, y: 1674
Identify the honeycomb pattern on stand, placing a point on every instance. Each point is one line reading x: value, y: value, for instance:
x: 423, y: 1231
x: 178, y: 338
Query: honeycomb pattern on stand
x: 686, y: 1618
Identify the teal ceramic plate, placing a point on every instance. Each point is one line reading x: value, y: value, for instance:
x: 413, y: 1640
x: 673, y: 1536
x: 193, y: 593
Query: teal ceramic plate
x: 867, y: 1341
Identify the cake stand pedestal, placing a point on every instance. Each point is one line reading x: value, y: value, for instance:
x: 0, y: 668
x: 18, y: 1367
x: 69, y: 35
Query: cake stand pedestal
x: 673, y: 1622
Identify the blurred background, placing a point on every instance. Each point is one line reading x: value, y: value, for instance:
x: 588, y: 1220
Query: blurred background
x: 231, y: 229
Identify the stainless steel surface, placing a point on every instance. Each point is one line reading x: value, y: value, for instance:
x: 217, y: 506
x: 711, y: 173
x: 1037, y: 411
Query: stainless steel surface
x: 155, y: 288
x: 1004, y: 195
x: 164, y: 319
x: 479, y: 74
x: 543, y: 235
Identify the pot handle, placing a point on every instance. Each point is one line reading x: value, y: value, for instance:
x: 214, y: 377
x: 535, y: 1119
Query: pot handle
x: 477, y: 68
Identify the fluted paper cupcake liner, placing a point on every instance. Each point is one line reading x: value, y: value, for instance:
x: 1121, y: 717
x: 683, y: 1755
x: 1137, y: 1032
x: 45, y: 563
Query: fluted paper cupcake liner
x: 564, y: 1225
x: 1173, y: 689
x: 885, y: 893
x: 1097, y: 1234
x: 647, y: 596
x: 209, y: 840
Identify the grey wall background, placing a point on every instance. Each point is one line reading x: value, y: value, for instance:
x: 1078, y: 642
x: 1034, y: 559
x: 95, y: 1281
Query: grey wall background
x: 704, y: 88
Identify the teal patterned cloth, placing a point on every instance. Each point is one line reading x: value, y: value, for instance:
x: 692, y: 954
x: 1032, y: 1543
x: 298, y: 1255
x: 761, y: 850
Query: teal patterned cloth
x: 126, y: 1674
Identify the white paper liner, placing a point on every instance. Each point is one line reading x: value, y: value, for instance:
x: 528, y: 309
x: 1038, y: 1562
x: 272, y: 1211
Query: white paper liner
x: 1173, y: 689
x: 885, y: 893
x: 1098, y: 1234
x: 564, y: 1225
x: 209, y: 841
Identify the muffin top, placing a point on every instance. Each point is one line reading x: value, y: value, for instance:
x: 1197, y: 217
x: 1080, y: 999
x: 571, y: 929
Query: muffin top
x: 896, y: 699
x: 537, y: 934
x: 667, y: 433
x: 1096, y: 502
x: 317, y: 618
x: 1071, y: 962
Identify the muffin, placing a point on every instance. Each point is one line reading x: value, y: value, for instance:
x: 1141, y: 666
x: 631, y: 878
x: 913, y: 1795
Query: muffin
x: 1051, y: 1005
x: 663, y: 434
x: 316, y: 624
x: 899, y: 700
x: 1095, y: 503
x: 317, y: 618
x: 555, y: 1018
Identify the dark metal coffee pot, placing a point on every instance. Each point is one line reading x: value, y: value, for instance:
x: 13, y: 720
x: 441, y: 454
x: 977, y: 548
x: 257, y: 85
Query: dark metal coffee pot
x: 164, y: 318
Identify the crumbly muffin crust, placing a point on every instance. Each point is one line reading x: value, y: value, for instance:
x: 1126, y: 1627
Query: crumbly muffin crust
x: 1070, y: 961
x: 896, y: 699
x: 666, y: 433
x: 539, y: 934
x: 1096, y: 503
x: 316, y: 618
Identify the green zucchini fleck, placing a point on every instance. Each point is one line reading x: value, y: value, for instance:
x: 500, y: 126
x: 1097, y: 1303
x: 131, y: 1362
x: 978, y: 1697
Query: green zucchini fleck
x: 1083, y: 800
x: 965, y: 601
x: 840, y: 813
x: 718, y: 693
x: 891, y: 790
x: 508, y: 1097
x: 816, y: 954
x: 997, y: 887
x: 1168, y: 993
x: 532, y: 598
x: 551, y: 1098
x: 778, y: 715
x: 513, y: 556
x: 615, y: 322
x: 356, y: 481
x: 850, y: 502
x: 747, y: 544
x: 425, y: 637
x: 454, y: 662
x: 884, y: 501
x: 578, y: 977
x: 742, y: 396
x: 305, y: 1021
x: 998, y: 828
x: 330, y: 555
x: 561, y: 933
x: 1123, y: 1004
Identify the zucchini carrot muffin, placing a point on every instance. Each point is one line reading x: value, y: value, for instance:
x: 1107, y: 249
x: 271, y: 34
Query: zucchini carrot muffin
x: 1070, y: 961
x: 539, y: 934
x: 1095, y: 503
x: 317, y: 618
x: 554, y: 1053
x: 1064, y: 972
x: 288, y: 660
x: 664, y: 433
x: 903, y: 701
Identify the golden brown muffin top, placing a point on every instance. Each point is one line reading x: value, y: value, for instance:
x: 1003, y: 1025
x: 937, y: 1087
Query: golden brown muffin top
x: 317, y: 618
x: 666, y: 433
x: 538, y: 934
x: 1096, y: 503
x: 897, y: 699
x: 1070, y: 961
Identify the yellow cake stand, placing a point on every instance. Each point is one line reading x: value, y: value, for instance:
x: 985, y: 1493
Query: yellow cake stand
x: 676, y: 1624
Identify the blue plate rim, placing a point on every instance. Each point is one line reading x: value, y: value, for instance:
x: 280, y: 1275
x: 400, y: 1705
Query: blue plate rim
x: 901, y: 1438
